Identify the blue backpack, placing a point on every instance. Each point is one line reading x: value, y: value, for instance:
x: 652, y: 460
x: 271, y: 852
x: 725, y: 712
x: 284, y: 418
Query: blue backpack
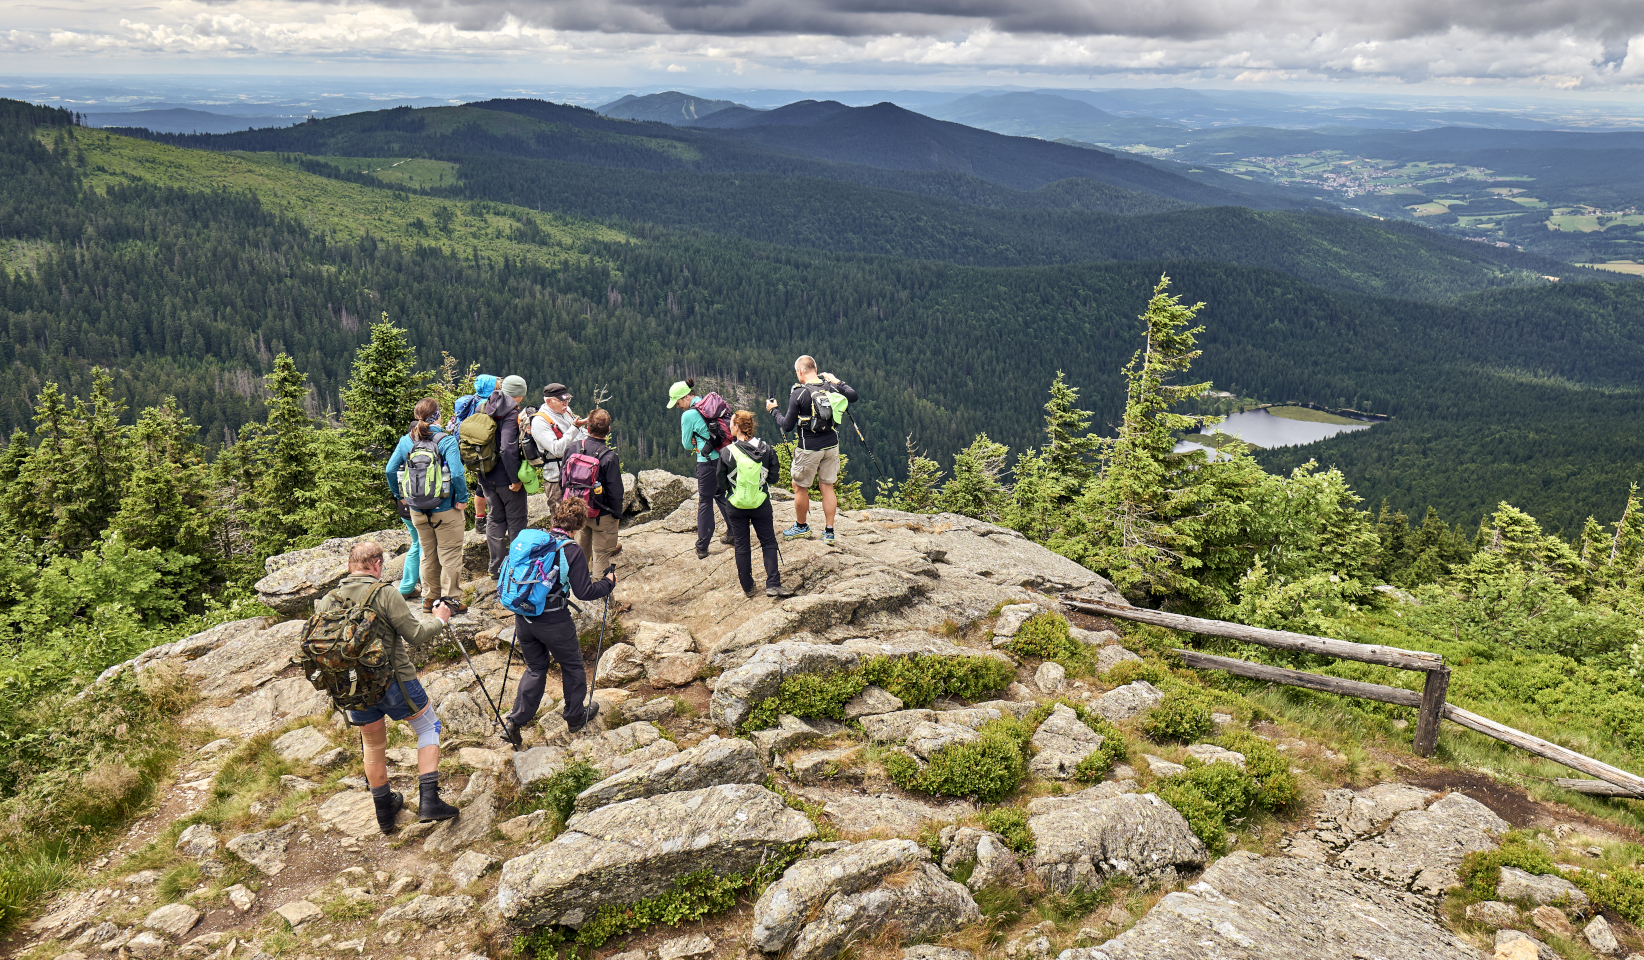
x: 537, y: 575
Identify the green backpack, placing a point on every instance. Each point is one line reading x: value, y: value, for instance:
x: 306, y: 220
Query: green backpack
x: 477, y: 442
x: 827, y: 407
x: 343, y: 652
x: 748, y: 486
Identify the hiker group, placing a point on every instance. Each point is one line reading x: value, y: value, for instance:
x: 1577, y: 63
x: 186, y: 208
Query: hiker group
x: 356, y: 645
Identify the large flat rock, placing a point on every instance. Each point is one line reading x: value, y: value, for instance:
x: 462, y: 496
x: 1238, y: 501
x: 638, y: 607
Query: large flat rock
x: 704, y: 765
x: 626, y: 852
x: 1137, y: 836
x: 1421, y: 849
x: 1248, y: 906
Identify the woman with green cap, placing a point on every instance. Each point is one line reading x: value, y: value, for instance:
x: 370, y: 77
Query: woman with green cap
x: 694, y: 435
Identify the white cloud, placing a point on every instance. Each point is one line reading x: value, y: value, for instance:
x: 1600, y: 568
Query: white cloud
x: 1564, y: 44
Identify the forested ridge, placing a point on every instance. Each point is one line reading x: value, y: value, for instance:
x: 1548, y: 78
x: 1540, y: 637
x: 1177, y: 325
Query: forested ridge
x: 191, y: 293
x: 200, y: 378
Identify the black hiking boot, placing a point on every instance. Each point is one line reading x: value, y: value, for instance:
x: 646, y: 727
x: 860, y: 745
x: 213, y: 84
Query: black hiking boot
x: 388, y: 810
x: 588, y: 716
x: 511, y: 734
x: 779, y: 591
x: 479, y: 524
x: 432, y: 807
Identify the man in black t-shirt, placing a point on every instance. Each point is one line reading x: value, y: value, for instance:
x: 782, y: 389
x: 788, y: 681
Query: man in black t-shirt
x: 817, y: 457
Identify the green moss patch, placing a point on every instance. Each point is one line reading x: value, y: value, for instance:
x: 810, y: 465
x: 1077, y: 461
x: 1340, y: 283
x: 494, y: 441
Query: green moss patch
x: 916, y: 681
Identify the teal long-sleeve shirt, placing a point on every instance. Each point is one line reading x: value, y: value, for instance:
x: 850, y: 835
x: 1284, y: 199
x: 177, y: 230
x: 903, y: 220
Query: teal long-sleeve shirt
x: 693, y: 434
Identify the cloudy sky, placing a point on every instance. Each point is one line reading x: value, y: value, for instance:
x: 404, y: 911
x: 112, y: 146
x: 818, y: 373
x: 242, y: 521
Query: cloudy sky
x: 1588, y: 46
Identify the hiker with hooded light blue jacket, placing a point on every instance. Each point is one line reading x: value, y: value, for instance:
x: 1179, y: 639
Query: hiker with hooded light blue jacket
x: 436, y: 526
x: 467, y: 406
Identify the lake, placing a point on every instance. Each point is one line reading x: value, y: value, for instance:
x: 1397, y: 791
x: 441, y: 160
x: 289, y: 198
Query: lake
x: 1264, y: 430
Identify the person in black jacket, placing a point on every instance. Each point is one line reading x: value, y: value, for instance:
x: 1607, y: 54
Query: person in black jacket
x: 504, y: 494
x: 599, y: 535
x: 554, y: 635
x: 817, y: 458
x: 754, y: 496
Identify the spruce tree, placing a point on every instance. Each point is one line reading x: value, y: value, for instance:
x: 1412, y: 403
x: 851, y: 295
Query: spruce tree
x: 1144, y: 484
x: 280, y: 463
x: 95, y: 467
x: 168, y: 501
x: 975, y: 490
x: 382, y: 392
x: 1068, y: 445
x: 44, y: 477
x: 916, y: 493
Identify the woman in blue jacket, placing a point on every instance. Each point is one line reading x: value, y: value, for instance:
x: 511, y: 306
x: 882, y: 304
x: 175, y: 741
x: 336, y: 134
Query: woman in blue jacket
x: 437, y: 527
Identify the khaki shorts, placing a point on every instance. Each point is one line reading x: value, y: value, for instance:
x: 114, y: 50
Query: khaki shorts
x: 816, y: 465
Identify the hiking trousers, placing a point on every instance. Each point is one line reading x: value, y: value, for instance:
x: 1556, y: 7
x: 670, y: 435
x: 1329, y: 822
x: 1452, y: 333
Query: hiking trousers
x: 707, y: 494
x: 440, y: 536
x: 506, y: 516
x: 598, y: 539
x: 540, y: 642
x: 413, y: 559
x: 761, y: 522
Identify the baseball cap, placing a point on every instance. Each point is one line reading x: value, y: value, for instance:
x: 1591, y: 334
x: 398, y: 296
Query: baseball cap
x: 676, y: 391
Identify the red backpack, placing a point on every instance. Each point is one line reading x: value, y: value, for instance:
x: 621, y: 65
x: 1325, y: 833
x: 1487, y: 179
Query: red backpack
x: 717, y: 413
x: 579, y: 478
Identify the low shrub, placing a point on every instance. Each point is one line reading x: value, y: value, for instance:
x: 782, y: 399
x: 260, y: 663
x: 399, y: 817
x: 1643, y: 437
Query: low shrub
x: 1046, y: 636
x: 988, y: 768
x: 558, y: 793
x: 693, y: 897
x: 1621, y: 890
x: 1132, y: 670
x: 1011, y: 824
x: 1210, y: 796
x: 1183, y: 715
x: 916, y: 681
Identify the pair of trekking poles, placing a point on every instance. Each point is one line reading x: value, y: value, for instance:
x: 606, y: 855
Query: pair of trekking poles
x: 599, y: 651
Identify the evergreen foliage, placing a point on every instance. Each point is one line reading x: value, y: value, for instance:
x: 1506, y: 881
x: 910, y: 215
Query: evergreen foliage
x: 383, y: 390
x: 976, y: 490
x: 917, y: 491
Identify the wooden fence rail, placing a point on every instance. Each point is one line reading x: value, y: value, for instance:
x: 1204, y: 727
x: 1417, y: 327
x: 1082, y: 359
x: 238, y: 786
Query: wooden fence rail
x: 1430, y: 703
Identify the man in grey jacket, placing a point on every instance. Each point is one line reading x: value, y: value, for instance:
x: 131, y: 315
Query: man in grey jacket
x: 555, y: 427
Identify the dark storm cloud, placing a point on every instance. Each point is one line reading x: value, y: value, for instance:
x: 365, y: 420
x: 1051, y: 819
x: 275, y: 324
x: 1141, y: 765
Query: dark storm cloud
x: 1611, y: 21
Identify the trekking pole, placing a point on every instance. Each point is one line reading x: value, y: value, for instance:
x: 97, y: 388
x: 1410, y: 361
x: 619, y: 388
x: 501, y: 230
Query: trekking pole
x: 878, y: 467
x: 599, y: 649
x: 475, y: 671
x: 515, y: 741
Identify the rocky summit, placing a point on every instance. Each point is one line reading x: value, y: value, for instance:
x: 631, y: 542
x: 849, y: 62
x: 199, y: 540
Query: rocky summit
x: 882, y: 764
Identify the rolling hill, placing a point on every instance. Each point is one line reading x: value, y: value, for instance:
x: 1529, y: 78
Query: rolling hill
x: 1052, y: 117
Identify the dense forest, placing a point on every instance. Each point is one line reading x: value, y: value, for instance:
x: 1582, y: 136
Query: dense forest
x: 191, y: 293
x: 201, y: 378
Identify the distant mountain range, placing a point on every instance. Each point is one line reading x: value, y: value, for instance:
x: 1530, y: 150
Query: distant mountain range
x: 671, y: 107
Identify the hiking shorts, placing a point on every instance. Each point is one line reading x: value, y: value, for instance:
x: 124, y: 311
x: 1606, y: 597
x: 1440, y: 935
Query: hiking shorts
x: 392, y: 705
x: 816, y: 466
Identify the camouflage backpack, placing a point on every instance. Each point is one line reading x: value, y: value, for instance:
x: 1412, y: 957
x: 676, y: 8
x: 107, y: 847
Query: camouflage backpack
x: 344, y: 653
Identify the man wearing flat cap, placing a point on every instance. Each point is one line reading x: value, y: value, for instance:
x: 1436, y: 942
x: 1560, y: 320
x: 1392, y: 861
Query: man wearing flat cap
x: 555, y: 428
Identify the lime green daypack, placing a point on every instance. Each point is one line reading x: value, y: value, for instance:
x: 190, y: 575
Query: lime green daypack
x: 827, y: 407
x: 425, y: 479
x: 748, y: 486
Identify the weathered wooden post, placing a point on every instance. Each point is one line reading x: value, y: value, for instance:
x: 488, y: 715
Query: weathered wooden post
x: 1432, y: 711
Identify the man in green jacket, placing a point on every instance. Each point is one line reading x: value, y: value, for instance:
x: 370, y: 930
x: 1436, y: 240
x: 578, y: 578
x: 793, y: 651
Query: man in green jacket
x: 365, y: 563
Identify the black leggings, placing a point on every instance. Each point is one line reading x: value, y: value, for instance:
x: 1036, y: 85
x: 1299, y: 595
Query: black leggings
x: 538, y: 641
x: 760, y: 519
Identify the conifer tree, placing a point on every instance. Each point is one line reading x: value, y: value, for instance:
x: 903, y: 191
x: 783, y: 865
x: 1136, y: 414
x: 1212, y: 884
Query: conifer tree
x: 1048, y: 479
x: 381, y: 391
x: 917, y: 493
x: 279, y: 463
x: 167, y: 501
x: 44, y: 476
x: 95, y: 467
x: 1144, y: 483
x: 975, y: 490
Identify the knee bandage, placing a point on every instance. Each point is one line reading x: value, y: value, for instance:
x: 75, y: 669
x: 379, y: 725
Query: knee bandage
x: 427, y: 726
